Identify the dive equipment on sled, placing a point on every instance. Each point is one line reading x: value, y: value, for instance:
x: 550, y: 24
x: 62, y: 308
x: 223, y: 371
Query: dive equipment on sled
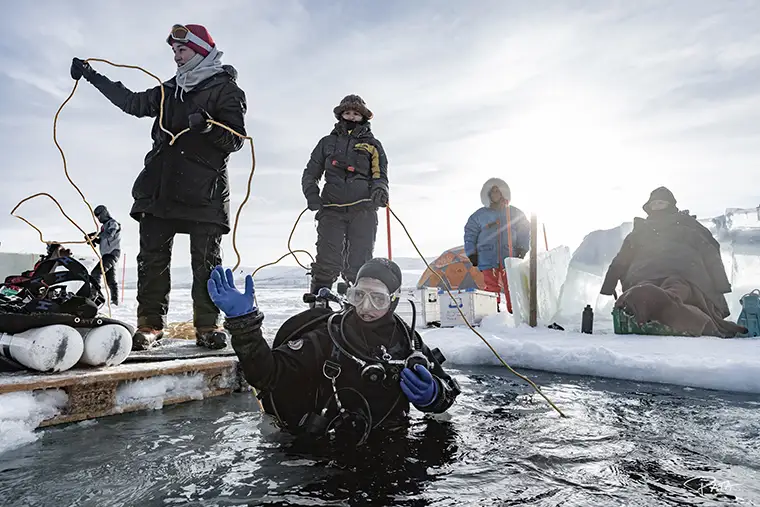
x: 44, y: 290
x: 52, y: 348
x: 105, y: 345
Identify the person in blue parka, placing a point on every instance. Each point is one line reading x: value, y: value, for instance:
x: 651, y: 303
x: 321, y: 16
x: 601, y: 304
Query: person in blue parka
x: 494, y: 232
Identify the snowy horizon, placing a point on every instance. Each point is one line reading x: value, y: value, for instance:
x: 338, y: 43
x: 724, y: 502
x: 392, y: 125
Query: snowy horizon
x: 582, y: 108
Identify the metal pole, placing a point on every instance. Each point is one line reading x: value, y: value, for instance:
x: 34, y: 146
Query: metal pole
x: 502, y: 268
x: 533, y: 318
x: 123, y: 276
x: 388, y: 221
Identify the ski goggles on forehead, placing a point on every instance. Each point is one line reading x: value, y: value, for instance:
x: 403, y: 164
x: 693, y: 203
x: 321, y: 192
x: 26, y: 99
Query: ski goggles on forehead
x: 180, y: 33
x: 379, y: 300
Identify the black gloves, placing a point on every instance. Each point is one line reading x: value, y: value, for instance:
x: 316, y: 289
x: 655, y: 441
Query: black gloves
x: 314, y: 202
x: 80, y: 68
x: 519, y: 252
x: 197, y: 121
x: 473, y: 258
x: 380, y: 197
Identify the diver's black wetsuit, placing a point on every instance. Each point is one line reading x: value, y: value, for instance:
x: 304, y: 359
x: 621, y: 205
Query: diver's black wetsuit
x: 292, y: 377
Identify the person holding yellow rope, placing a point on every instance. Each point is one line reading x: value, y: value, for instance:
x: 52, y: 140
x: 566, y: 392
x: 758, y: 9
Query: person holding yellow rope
x: 184, y: 186
x: 355, y: 168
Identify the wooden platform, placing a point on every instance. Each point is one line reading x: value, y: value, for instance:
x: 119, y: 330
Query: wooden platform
x: 174, y: 348
x: 99, y: 392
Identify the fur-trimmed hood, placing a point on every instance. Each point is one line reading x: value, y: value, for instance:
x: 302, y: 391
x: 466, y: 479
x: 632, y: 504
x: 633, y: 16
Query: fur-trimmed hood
x: 488, y: 185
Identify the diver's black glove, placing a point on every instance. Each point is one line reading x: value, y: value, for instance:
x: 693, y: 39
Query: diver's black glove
x: 80, y: 68
x: 473, y: 259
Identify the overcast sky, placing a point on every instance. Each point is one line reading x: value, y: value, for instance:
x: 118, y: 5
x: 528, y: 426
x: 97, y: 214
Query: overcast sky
x: 583, y: 108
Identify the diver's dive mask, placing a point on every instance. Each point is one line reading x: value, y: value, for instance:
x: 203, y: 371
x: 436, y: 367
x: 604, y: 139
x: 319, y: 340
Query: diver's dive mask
x: 380, y: 300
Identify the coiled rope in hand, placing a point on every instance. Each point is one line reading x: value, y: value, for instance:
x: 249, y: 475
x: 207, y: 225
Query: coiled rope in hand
x: 173, y: 137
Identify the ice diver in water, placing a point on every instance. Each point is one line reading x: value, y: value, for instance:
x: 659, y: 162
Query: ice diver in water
x: 338, y: 375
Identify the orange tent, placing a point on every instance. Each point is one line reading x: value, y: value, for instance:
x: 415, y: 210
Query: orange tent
x: 455, y: 268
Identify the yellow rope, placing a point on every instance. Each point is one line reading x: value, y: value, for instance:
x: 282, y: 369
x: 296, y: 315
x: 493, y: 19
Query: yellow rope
x: 89, y: 207
x: 290, y: 239
x: 81, y: 194
x: 292, y: 252
x: 237, y: 216
x: 248, y: 186
x: 445, y: 286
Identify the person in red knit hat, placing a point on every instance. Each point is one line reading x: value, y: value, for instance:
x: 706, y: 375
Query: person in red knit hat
x: 184, y: 187
x: 195, y: 37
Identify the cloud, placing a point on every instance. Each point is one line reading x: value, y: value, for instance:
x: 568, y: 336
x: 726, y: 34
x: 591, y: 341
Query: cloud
x: 582, y: 107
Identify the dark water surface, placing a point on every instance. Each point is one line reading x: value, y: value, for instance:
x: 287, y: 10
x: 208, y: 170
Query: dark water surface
x: 624, y: 443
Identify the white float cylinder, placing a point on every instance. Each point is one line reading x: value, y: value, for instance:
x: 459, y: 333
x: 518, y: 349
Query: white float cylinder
x: 106, y: 345
x: 49, y: 348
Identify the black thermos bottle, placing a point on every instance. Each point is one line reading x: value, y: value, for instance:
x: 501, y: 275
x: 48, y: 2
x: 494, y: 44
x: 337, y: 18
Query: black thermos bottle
x: 587, y: 322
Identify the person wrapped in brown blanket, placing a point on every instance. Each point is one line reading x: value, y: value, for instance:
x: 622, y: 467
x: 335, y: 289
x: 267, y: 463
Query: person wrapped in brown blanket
x: 672, y: 273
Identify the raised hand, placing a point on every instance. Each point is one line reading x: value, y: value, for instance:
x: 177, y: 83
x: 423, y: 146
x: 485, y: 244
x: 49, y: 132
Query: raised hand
x: 226, y: 297
x: 80, y: 68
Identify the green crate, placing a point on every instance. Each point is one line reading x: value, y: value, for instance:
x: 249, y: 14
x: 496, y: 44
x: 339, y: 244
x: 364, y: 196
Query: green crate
x: 7, y: 291
x: 624, y: 323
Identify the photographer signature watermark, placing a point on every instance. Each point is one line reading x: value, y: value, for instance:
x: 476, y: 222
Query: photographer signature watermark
x: 710, y: 485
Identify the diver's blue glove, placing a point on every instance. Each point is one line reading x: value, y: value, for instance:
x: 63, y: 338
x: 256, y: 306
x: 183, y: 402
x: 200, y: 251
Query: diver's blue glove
x: 221, y: 288
x: 419, y: 385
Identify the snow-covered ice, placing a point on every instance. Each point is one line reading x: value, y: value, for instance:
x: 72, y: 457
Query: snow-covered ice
x: 21, y: 413
x: 710, y: 363
x: 152, y: 392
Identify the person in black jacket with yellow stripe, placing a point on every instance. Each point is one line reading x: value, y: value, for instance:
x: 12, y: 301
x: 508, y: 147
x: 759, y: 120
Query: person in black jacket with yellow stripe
x: 184, y: 187
x: 355, y: 168
x: 338, y: 374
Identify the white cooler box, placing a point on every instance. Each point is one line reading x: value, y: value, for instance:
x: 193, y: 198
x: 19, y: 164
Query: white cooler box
x: 426, y: 302
x: 475, y: 304
x: 16, y: 263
